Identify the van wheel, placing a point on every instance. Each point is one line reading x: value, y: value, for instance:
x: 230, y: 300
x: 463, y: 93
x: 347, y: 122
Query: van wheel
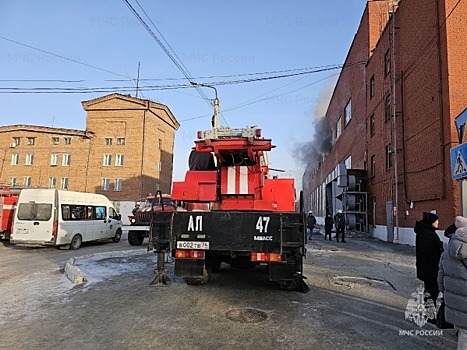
x: 135, y: 237
x: 117, y: 236
x: 76, y: 242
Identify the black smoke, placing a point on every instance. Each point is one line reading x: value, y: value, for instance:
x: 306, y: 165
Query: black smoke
x: 311, y: 152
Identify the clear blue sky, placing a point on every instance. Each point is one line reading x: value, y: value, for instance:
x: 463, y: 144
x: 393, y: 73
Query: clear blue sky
x: 212, y: 39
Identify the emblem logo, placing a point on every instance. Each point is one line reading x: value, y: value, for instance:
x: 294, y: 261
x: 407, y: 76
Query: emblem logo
x: 420, y: 308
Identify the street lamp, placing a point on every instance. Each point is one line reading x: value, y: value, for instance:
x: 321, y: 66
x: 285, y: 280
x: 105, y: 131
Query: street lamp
x: 215, y: 117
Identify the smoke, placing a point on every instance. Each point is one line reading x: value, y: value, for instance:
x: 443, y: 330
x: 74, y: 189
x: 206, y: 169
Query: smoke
x: 311, y: 152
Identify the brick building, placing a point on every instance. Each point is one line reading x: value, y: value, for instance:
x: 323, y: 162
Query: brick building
x: 391, y: 120
x: 125, y: 152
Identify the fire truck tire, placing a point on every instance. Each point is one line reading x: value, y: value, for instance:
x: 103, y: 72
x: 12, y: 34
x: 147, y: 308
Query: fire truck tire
x: 117, y: 237
x: 76, y: 242
x: 135, y: 237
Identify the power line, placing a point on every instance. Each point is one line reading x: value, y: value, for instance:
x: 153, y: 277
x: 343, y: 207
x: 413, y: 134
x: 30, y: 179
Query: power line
x: 63, y: 57
x: 165, y: 86
x: 176, y: 60
x: 176, y: 79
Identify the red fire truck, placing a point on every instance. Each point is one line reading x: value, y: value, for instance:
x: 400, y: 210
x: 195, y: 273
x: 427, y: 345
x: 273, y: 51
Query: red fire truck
x: 8, y: 200
x: 140, y: 220
x: 251, y: 218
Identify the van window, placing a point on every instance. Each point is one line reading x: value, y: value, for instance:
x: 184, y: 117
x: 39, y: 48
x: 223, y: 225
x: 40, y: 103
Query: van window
x: 113, y: 214
x: 73, y: 212
x: 89, y: 213
x: 100, y: 212
x: 35, y: 211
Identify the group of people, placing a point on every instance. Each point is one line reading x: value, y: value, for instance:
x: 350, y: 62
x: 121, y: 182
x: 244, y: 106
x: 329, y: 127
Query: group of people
x: 444, y: 271
x: 329, y: 222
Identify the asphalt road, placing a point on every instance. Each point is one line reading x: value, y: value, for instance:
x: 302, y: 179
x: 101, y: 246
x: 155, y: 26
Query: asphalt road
x: 359, y: 292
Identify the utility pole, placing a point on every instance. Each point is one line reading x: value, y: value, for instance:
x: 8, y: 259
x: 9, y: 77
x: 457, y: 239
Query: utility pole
x: 394, y: 117
x: 137, y: 80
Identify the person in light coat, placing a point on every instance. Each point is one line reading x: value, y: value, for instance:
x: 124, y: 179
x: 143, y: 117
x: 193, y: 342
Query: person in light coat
x: 452, y: 281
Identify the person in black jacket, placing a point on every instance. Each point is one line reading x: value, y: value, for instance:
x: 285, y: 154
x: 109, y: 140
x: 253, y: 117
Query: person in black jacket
x: 328, y: 223
x: 339, y: 221
x: 310, y: 223
x: 428, y: 253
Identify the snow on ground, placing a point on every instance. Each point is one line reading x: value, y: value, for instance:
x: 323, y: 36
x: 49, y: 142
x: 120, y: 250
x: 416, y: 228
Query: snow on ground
x: 100, y: 267
x: 25, y: 296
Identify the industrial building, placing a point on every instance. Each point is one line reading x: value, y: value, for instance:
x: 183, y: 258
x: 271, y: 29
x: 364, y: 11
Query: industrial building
x: 390, y: 121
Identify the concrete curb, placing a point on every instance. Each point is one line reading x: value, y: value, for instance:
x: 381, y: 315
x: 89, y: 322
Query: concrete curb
x: 73, y: 272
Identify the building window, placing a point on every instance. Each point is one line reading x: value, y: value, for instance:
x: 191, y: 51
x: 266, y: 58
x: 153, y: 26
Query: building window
x: 105, y: 184
x: 108, y: 141
x: 372, y: 86
x: 348, y: 112
x: 55, y: 140
x: 372, y: 124
x: 373, y: 166
x: 54, y: 159
x: 118, y: 184
x: 159, y: 166
x: 66, y: 159
x: 388, y: 156
x: 67, y: 140
x: 14, y: 159
x: 12, y: 181
x: 52, y: 182
x: 119, y: 159
x: 16, y: 141
x: 387, y: 62
x: 31, y: 141
x: 29, y: 159
x: 107, y: 160
x: 64, y: 183
x: 120, y: 141
x: 338, y: 128
x: 387, y: 108
x: 348, y: 162
x: 27, y: 181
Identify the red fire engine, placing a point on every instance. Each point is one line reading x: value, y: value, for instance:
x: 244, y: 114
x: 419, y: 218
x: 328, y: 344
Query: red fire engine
x: 140, y: 220
x: 251, y: 218
x: 8, y: 200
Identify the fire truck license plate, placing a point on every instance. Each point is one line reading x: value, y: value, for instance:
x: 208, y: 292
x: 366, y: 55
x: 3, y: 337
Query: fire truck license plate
x: 192, y: 245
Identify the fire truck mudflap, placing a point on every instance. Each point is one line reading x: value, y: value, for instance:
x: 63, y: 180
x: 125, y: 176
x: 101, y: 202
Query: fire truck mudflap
x: 201, y: 241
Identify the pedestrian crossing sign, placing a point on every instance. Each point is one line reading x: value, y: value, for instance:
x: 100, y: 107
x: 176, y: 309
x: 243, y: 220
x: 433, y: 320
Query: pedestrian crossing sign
x: 458, y: 162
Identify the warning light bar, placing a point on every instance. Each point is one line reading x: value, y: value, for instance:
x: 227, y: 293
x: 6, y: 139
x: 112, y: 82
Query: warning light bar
x: 189, y: 254
x: 266, y: 257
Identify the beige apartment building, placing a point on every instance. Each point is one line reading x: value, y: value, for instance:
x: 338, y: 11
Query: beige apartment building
x: 125, y: 152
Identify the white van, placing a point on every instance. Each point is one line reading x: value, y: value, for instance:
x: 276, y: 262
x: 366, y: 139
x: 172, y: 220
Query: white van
x: 56, y: 217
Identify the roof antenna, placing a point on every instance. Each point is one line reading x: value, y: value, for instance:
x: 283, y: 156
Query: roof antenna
x: 137, y: 80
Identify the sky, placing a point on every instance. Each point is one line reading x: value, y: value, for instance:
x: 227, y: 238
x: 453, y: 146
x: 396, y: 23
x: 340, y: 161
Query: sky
x: 242, y: 47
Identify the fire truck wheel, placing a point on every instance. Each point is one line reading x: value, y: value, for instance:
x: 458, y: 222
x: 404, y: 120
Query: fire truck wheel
x: 117, y: 236
x: 198, y: 280
x: 135, y: 237
x: 76, y: 242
